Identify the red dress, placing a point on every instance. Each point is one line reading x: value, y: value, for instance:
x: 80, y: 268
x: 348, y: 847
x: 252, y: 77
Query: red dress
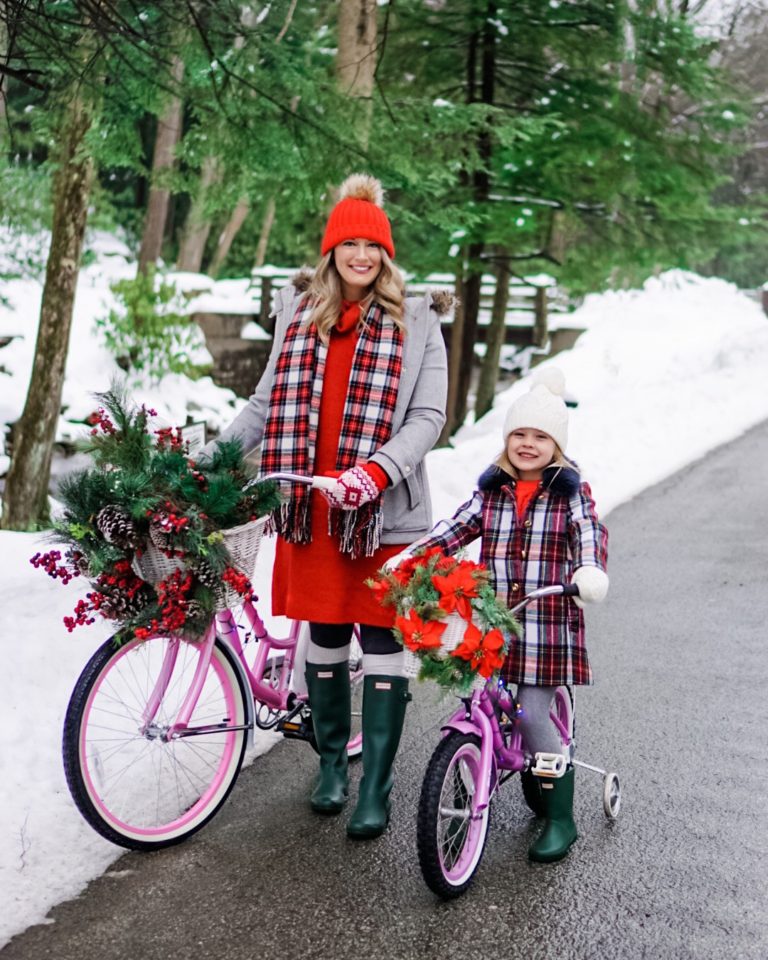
x: 315, y: 581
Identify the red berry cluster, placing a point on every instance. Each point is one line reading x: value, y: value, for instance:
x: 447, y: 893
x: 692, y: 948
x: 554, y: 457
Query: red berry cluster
x: 82, y: 612
x: 50, y: 563
x: 148, y: 411
x: 170, y: 438
x: 99, y: 420
x: 122, y: 580
x: 239, y: 583
x: 169, y: 521
x: 172, y: 596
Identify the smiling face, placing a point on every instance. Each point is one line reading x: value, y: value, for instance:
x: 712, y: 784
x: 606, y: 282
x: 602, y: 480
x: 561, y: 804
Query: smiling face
x: 530, y: 451
x: 359, y: 263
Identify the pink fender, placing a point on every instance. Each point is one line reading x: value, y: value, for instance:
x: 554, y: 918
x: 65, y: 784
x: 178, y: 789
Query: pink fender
x: 478, y: 726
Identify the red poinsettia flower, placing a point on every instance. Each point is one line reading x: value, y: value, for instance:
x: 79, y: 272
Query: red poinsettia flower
x: 380, y: 588
x: 484, y: 653
x: 456, y: 589
x: 420, y: 634
x: 404, y: 571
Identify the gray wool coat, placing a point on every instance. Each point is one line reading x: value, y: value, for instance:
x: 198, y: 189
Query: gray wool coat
x: 418, y: 418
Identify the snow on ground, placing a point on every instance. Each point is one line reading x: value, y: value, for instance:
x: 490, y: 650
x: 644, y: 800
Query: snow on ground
x: 662, y: 375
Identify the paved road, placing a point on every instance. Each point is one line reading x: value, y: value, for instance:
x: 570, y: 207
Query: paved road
x: 679, y: 709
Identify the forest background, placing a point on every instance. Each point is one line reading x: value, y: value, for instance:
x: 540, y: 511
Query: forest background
x: 599, y: 142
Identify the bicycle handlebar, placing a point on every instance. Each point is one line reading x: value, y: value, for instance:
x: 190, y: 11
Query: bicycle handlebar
x: 317, y: 483
x: 556, y: 590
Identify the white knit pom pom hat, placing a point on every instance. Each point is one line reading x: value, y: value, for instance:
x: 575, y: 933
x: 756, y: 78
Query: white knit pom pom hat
x: 542, y: 408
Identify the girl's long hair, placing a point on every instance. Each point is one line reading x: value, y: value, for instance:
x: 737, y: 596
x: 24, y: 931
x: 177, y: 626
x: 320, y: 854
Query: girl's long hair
x: 388, y: 290
x: 558, y: 460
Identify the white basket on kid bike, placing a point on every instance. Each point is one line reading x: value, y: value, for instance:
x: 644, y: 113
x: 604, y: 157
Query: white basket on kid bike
x: 451, y: 637
x: 242, y: 542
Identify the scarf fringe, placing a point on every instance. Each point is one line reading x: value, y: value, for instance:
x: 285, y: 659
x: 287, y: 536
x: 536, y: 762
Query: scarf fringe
x: 291, y: 521
x: 359, y: 531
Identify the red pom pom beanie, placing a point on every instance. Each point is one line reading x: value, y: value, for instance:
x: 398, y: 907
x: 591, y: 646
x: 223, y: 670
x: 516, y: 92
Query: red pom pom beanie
x: 359, y: 214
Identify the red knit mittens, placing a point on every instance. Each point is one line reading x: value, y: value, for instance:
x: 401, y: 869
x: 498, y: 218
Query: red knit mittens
x: 352, y: 489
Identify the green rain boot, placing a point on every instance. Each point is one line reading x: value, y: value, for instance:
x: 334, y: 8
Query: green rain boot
x: 384, y: 703
x: 329, y: 700
x: 559, y: 829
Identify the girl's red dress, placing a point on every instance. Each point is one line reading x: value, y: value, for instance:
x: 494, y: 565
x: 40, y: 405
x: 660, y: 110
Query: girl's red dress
x: 315, y: 581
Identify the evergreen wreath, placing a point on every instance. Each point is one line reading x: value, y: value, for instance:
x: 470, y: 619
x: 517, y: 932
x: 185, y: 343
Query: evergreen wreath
x: 144, y: 493
x: 429, y: 588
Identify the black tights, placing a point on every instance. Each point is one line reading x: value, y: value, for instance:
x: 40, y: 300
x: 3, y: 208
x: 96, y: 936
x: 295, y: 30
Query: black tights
x: 373, y: 640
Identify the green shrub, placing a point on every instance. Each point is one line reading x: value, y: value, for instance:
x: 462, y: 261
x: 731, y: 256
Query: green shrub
x: 146, y: 332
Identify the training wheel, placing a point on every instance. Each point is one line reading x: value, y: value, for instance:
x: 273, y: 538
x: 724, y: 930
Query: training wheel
x: 611, y: 795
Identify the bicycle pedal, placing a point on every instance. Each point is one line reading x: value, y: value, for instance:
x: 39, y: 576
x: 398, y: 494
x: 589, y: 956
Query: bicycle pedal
x: 295, y: 729
x: 549, y: 765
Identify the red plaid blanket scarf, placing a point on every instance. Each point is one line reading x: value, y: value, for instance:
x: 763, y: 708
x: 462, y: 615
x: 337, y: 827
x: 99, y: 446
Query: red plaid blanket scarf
x: 290, y: 431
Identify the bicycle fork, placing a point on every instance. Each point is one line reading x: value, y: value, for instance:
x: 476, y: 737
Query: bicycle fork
x: 180, y: 727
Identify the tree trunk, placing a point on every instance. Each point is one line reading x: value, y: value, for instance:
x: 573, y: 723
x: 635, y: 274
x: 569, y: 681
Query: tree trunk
x: 228, y: 234
x: 168, y: 135
x: 3, y: 56
x: 266, y: 229
x: 454, y: 361
x: 485, y: 40
x: 489, y: 374
x: 356, y: 60
x: 198, y: 223
x: 25, y: 502
x: 540, y: 324
x: 471, y: 299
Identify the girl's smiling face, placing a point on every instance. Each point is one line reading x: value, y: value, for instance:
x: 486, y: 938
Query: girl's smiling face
x: 530, y: 451
x: 359, y: 263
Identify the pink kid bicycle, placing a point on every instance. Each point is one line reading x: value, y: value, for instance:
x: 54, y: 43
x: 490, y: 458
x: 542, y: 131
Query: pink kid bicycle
x: 156, y: 730
x: 481, y: 749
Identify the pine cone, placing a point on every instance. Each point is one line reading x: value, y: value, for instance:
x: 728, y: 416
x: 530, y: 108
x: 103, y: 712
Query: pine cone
x: 116, y: 526
x: 160, y: 534
x: 79, y: 561
x: 195, y: 610
x: 207, y: 575
x: 119, y: 606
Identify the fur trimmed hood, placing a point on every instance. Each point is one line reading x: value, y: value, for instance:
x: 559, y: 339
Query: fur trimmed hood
x: 562, y: 481
x: 442, y: 301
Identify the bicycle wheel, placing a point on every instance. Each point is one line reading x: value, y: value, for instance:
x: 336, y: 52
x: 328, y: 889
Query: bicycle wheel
x: 563, y: 710
x: 131, y: 783
x: 450, y: 834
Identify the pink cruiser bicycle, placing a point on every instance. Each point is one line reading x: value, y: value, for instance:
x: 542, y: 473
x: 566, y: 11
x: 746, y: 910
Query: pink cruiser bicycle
x: 156, y: 730
x: 480, y: 750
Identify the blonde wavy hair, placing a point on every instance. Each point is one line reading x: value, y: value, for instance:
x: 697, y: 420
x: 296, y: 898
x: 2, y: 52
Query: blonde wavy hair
x: 388, y: 291
x: 558, y: 460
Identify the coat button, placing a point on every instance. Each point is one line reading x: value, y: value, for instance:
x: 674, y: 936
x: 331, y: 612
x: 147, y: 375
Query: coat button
x: 528, y: 523
x: 522, y: 554
x: 515, y: 587
x: 407, y: 470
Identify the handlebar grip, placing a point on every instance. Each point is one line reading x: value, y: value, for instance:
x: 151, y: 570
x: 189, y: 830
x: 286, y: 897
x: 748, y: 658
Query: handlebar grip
x: 323, y: 483
x: 570, y: 590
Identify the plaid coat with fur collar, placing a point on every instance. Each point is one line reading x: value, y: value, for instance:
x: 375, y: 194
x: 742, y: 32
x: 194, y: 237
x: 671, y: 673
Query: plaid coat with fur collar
x: 559, y: 532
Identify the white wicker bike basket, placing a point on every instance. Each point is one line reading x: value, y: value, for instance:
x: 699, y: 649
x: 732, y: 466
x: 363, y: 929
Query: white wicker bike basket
x: 242, y: 542
x: 153, y: 565
x: 453, y: 635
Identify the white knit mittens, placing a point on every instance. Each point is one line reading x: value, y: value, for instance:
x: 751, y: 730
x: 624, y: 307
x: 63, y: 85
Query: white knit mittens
x: 592, y: 583
x: 352, y: 489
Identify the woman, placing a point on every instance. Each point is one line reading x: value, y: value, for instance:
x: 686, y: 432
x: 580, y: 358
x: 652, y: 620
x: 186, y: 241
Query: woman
x: 354, y: 389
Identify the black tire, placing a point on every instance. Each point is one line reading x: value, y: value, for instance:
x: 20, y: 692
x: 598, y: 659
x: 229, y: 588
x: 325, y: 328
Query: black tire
x: 451, y: 847
x: 196, y: 804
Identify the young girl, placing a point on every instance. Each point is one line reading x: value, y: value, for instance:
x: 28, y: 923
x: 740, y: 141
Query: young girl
x: 538, y: 525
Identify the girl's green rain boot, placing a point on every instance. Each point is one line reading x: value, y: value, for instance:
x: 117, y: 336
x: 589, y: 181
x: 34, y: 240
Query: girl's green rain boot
x: 559, y: 832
